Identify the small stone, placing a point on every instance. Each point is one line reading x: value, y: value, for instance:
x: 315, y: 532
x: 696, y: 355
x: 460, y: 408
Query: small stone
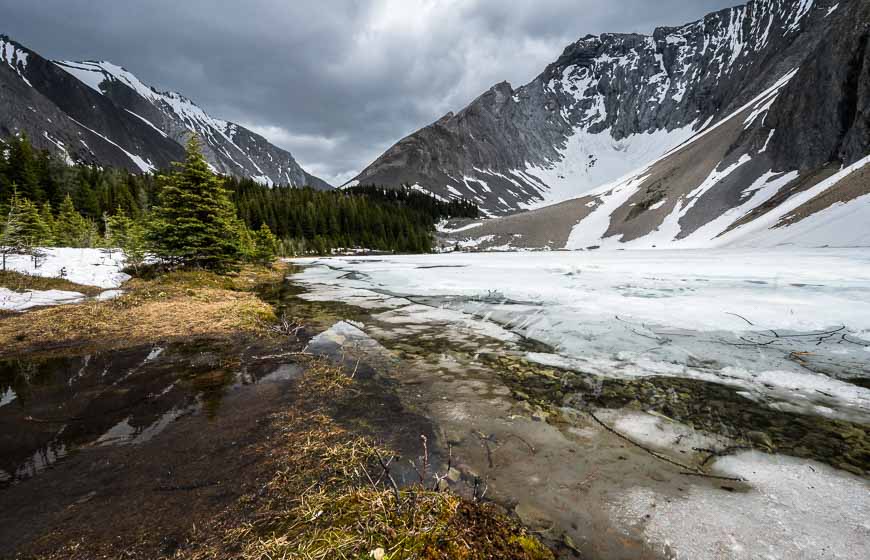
x: 453, y: 475
x: 760, y: 438
x: 539, y: 415
x: 532, y: 517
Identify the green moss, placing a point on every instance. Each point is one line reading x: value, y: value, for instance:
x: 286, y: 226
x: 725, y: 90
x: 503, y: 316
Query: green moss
x: 532, y: 547
x: 706, y: 406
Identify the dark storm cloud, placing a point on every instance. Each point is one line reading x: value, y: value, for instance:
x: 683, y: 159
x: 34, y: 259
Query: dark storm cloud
x: 334, y: 81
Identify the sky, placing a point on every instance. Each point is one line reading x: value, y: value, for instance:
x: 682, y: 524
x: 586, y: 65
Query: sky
x: 335, y: 82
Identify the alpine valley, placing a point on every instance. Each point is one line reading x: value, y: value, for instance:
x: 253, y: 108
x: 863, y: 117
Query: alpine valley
x: 99, y: 113
x: 750, y: 127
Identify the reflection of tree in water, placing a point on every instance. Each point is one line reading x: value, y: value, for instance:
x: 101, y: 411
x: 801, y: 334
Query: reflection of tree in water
x: 211, y: 387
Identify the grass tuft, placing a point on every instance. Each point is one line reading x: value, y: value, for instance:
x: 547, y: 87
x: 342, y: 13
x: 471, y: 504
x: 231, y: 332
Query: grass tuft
x: 329, y: 498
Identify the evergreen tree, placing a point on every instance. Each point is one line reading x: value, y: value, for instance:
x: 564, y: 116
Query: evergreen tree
x: 21, y: 169
x: 12, y: 240
x: 47, y: 218
x: 265, y: 245
x: 247, y: 242
x: 195, y: 222
x: 129, y: 236
x: 32, y: 228
x: 70, y: 228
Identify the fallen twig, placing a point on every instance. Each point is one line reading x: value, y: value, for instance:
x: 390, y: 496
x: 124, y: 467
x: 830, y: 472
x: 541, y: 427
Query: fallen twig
x: 386, y: 467
x: 741, y: 317
x: 694, y: 470
x: 719, y: 452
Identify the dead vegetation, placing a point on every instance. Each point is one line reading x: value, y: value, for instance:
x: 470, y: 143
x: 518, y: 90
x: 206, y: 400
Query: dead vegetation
x: 18, y: 282
x: 332, y: 495
x: 163, y: 307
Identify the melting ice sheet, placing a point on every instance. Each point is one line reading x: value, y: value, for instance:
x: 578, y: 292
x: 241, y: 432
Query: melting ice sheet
x: 794, y: 509
x: 787, y: 327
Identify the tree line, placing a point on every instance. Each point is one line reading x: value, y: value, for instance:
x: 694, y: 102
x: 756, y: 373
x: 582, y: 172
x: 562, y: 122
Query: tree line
x: 55, y: 203
x: 306, y: 220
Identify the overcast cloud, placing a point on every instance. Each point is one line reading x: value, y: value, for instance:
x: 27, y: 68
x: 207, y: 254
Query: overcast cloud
x: 336, y: 82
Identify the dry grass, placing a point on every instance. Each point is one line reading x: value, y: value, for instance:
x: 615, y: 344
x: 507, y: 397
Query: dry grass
x: 168, y: 306
x: 329, y: 498
x: 18, y: 282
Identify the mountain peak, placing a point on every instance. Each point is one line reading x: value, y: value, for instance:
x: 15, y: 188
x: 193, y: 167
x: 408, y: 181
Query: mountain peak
x: 695, y: 128
x: 100, y: 112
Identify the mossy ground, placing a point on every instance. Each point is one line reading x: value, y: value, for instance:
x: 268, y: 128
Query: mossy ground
x: 703, y: 405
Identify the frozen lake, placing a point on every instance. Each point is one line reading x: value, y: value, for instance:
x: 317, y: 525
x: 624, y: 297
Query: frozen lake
x: 789, y: 327
x: 746, y: 364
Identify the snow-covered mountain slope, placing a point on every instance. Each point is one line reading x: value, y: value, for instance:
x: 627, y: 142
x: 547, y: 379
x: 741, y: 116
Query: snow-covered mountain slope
x: 627, y: 135
x: 696, y: 197
x: 100, y: 113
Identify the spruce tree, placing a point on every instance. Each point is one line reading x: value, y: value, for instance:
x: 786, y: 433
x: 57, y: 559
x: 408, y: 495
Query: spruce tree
x: 195, y: 222
x: 12, y: 242
x: 246, y: 241
x: 265, y: 245
x: 32, y: 229
x: 128, y: 235
x: 70, y: 229
x: 21, y: 169
x: 48, y: 219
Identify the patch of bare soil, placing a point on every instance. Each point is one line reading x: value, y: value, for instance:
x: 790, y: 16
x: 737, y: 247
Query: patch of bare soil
x: 849, y: 188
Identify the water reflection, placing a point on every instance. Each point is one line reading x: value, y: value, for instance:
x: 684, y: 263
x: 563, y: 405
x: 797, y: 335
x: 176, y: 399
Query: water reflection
x: 52, y: 407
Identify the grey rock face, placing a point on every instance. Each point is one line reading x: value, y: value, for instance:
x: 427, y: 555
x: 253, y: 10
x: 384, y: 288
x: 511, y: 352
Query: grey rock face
x: 100, y: 113
x: 583, y: 121
x: 823, y: 115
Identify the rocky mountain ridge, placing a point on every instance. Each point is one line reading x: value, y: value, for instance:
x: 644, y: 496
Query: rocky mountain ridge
x: 99, y: 113
x: 613, y: 104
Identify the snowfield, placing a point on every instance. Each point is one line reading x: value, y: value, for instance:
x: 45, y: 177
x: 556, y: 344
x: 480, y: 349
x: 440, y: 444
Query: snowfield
x: 90, y: 267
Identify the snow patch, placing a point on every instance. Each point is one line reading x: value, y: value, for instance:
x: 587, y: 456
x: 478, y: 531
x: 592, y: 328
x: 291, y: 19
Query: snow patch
x: 19, y: 301
x: 15, y: 58
x: 91, y: 267
x: 794, y: 509
x: 143, y: 165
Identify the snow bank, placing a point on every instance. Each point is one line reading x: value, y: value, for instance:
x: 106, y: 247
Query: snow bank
x: 19, y: 301
x: 91, y: 267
